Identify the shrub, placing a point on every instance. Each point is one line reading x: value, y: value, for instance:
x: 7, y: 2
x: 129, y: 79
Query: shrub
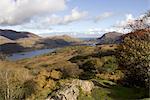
x: 55, y: 74
x: 110, y: 65
x: 134, y: 52
x: 71, y: 71
x: 92, y: 64
x: 134, y: 57
x: 90, y: 68
x: 43, y: 85
x: 12, y: 84
x: 68, y: 69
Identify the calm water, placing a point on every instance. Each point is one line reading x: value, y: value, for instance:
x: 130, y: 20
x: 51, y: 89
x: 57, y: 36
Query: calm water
x: 23, y: 55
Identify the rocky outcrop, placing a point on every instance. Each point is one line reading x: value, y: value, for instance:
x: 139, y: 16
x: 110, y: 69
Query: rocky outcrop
x: 65, y: 93
x: 71, y: 90
x: 86, y: 86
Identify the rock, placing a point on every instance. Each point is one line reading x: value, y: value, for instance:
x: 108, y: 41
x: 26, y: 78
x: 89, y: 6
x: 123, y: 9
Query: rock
x: 86, y: 86
x: 70, y: 91
x: 66, y: 93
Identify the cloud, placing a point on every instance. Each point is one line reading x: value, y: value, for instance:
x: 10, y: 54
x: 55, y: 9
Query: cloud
x: 105, y: 30
x: 14, y: 12
x: 45, y: 22
x: 103, y: 16
x: 135, y: 22
x: 75, y: 15
x: 129, y: 20
x: 121, y: 25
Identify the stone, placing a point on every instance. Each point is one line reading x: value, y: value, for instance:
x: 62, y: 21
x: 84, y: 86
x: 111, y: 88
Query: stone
x: 70, y: 91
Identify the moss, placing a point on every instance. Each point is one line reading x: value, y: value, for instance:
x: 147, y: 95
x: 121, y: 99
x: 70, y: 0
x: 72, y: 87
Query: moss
x: 84, y: 96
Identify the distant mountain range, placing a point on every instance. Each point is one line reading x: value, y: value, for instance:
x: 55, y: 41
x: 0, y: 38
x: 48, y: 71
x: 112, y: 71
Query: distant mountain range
x: 12, y: 41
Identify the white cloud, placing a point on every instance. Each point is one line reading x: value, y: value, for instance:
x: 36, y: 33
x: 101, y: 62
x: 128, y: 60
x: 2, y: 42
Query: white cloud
x: 106, y: 30
x: 103, y: 16
x: 20, y: 11
x: 129, y: 20
x: 74, y: 16
x: 134, y: 22
x: 45, y: 22
x: 120, y: 25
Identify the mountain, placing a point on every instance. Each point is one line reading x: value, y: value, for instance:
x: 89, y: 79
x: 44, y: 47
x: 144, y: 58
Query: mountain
x: 4, y: 40
x: 59, y: 41
x: 66, y: 38
x: 110, y: 38
x: 13, y: 41
x: 26, y: 41
x: 14, y: 35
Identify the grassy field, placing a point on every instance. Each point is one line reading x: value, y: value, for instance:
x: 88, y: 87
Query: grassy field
x: 97, y: 64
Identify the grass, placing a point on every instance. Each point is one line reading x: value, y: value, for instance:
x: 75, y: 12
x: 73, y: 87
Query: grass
x: 70, y: 58
x: 107, y: 90
x: 124, y: 93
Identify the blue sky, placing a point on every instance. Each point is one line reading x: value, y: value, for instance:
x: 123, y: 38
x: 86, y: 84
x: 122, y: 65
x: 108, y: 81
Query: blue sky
x: 87, y: 17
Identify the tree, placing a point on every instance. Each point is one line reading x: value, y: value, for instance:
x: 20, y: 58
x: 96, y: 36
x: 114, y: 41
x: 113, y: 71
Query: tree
x: 140, y: 23
x: 134, y: 54
x: 12, y: 83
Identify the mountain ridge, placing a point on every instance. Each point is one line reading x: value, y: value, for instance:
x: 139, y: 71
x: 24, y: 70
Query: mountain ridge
x: 110, y: 38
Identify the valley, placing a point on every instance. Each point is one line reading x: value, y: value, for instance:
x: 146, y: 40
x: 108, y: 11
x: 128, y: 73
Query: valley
x: 90, y: 53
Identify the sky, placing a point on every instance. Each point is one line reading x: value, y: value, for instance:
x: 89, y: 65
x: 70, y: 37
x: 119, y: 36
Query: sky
x: 79, y: 18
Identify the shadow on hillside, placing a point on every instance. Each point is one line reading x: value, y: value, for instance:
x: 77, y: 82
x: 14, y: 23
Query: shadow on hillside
x: 52, y: 43
x: 9, y: 48
x: 13, y: 35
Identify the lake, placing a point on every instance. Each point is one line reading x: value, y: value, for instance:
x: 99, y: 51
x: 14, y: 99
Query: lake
x: 30, y: 54
x: 23, y: 55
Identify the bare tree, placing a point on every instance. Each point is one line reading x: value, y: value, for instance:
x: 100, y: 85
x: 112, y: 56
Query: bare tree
x: 11, y: 83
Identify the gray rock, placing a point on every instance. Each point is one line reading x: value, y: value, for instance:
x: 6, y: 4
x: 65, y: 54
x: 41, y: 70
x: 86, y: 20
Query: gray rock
x: 71, y: 90
x: 66, y: 93
x: 86, y: 86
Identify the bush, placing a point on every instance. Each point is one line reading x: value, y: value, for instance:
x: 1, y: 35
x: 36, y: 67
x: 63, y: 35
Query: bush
x: 55, y: 74
x: 72, y: 71
x: 134, y: 57
x: 43, y: 85
x: 110, y: 65
x: 90, y: 68
x: 68, y: 69
x: 134, y: 52
x: 92, y: 64
x: 12, y: 84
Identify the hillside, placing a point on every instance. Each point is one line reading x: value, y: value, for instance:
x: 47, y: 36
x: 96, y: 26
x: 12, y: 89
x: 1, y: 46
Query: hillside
x: 80, y: 72
x: 59, y: 41
x: 110, y: 38
x: 66, y: 38
x: 14, y: 35
x: 4, y: 40
x: 25, y: 41
x: 13, y: 41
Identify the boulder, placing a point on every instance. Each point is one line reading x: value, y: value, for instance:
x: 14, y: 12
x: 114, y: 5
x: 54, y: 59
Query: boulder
x: 86, y: 86
x: 70, y: 91
x: 65, y: 93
